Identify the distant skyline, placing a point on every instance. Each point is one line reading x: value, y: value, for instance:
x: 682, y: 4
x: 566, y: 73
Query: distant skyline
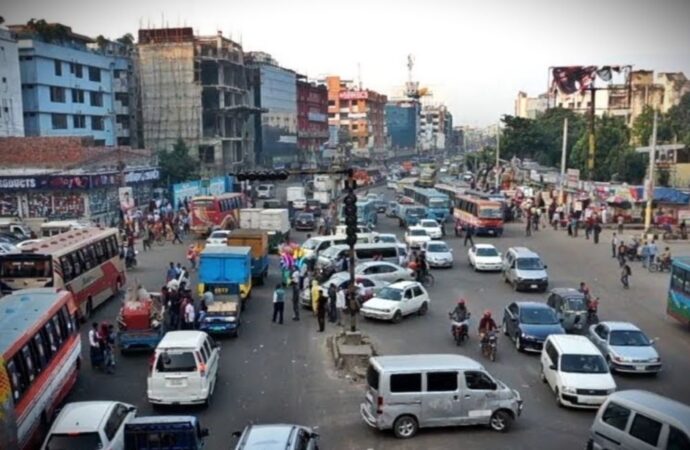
x: 474, y: 55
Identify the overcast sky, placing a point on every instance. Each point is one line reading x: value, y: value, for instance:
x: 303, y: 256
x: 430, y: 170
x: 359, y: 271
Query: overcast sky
x: 475, y: 55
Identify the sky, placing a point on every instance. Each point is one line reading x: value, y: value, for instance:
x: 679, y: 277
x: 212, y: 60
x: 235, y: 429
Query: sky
x: 474, y: 55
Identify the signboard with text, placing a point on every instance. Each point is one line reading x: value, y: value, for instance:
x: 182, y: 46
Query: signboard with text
x: 353, y: 95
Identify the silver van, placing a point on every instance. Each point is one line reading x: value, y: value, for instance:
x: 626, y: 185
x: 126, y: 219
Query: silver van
x: 408, y: 392
x: 523, y: 269
x: 640, y: 420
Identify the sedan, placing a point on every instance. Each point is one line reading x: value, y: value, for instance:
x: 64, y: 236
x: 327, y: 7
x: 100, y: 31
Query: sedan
x: 218, y: 237
x: 366, y: 287
x: 416, y: 236
x: 529, y: 324
x: 433, y: 229
x: 386, y: 238
x: 484, y: 257
x: 305, y: 221
x: 438, y: 254
x: 384, y: 271
x: 625, y: 347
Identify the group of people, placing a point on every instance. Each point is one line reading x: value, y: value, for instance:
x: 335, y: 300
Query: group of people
x: 101, y: 347
x: 179, y: 303
x: 645, y: 251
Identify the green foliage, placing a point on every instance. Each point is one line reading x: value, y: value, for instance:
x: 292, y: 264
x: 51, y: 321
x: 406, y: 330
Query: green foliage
x: 177, y: 165
x: 644, y: 124
x: 679, y: 120
x: 126, y: 40
x: 48, y: 32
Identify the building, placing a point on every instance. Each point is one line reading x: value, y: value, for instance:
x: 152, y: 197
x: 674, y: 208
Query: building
x: 312, y: 118
x: 402, y: 122
x: 435, y: 127
x: 195, y: 88
x: 274, y: 90
x: 11, y: 118
x: 360, y: 113
x: 68, y: 178
x: 529, y: 107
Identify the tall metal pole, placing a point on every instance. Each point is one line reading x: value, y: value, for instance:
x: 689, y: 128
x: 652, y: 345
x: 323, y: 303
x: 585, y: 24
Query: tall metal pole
x: 650, y: 181
x: 590, y: 158
x: 563, y: 151
x: 498, y: 153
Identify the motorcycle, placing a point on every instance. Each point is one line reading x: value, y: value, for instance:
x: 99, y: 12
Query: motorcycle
x: 490, y: 345
x: 659, y: 265
x: 130, y: 259
x: 459, y: 330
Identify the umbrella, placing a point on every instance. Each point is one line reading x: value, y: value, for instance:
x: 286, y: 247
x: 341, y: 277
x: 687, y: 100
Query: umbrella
x: 619, y: 202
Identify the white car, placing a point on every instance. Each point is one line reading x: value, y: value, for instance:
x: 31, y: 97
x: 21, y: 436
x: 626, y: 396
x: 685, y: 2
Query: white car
x: 218, y: 237
x: 366, y: 287
x: 625, y: 347
x: 397, y: 300
x: 28, y: 243
x: 433, y: 229
x: 6, y: 249
x: 384, y: 271
x: 265, y: 191
x: 484, y: 257
x: 98, y: 424
x: 416, y: 236
x: 438, y: 254
x: 386, y: 238
x: 299, y: 203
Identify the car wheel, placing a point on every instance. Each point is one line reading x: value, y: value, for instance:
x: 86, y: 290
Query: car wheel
x: 518, y: 343
x: 542, y: 376
x: 515, y: 286
x: 501, y: 421
x: 558, y: 397
x: 423, y: 309
x: 504, y: 327
x: 405, y: 427
x: 397, y: 317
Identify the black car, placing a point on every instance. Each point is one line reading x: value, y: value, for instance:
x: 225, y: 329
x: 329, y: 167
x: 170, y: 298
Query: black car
x: 305, y: 221
x: 529, y: 324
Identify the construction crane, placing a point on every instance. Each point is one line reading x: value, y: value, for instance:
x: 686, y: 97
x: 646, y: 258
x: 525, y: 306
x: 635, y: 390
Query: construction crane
x: 412, y: 89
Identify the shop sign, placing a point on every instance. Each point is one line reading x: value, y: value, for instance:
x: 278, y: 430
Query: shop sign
x: 45, y: 182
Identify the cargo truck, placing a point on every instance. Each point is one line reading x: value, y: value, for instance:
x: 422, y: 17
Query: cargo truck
x: 227, y: 269
x: 257, y: 240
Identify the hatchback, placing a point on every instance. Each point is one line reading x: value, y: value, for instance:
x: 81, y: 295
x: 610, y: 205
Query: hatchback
x: 397, y: 300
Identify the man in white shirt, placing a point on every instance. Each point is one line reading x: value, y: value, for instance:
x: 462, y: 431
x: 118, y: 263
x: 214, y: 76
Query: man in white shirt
x: 340, y: 304
x: 95, y: 347
x: 189, y: 316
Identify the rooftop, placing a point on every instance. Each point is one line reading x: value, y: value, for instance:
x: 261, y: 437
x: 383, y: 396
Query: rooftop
x: 82, y: 417
x: 428, y: 362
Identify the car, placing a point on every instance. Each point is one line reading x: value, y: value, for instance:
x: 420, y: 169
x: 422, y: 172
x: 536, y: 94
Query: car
x: 276, y: 437
x: 366, y: 286
x: 529, y: 324
x: 524, y: 269
x: 387, y: 238
x: 384, y: 271
x: 625, y: 347
x: 438, y: 254
x: 391, y: 184
x: 571, y: 308
x: 218, y: 237
x: 305, y: 221
x: 265, y: 191
x: 299, y: 203
x: 433, y: 229
x: 6, y: 249
x: 397, y: 300
x: 416, y: 236
x: 93, y: 424
x: 484, y: 257
x: 273, y: 204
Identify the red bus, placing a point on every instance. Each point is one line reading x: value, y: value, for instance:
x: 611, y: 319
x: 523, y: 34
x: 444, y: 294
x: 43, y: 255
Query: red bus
x: 211, y: 212
x: 486, y: 216
x: 85, y: 262
x: 40, y: 350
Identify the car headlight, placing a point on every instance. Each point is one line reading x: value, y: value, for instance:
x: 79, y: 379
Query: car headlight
x: 655, y: 360
x: 568, y: 390
x: 617, y: 358
x: 529, y: 337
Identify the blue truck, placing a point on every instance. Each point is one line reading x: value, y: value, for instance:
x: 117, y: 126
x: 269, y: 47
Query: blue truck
x: 164, y: 433
x: 257, y: 240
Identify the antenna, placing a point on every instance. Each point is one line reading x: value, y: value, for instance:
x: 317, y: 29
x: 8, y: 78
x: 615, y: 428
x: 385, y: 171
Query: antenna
x: 359, y: 76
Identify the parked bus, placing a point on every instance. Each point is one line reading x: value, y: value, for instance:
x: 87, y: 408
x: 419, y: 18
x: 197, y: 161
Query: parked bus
x: 427, y: 177
x: 211, y: 212
x: 437, y: 203
x: 486, y: 216
x: 40, y: 350
x: 366, y: 213
x: 678, y: 299
x: 86, y: 262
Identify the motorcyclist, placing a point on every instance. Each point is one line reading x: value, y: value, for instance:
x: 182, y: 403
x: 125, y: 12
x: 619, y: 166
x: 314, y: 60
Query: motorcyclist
x: 486, y: 324
x: 665, y: 257
x: 459, y: 313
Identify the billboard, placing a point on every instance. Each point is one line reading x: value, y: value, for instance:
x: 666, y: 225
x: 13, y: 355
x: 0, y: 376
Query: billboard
x: 353, y: 95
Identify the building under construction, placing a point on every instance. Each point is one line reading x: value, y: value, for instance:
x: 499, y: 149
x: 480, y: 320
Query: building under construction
x: 196, y: 88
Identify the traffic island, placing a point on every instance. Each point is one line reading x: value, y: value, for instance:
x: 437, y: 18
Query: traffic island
x: 351, y: 351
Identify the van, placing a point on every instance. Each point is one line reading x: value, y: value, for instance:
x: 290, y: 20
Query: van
x: 523, y: 269
x: 315, y: 245
x: 265, y: 191
x: 640, y: 420
x: 576, y: 371
x: 184, y: 369
x: 14, y: 226
x: 363, y: 252
x: 571, y: 308
x: 164, y: 433
x: 408, y: 392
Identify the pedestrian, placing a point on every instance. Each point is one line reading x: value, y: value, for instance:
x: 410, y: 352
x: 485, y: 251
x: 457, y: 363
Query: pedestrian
x: 321, y: 310
x: 107, y: 343
x: 620, y: 224
x: 183, y: 279
x: 176, y: 234
x: 278, y: 303
x: 555, y: 218
x: 173, y: 305
x: 340, y: 304
x: 95, y: 347
x: 171, y: 273
x: 653, y: 250
x: 588, y: 226
x: 296, y: 281
x: 469, y: 232
x: 621, y: 253
x: 332, y: 297
x: 315, y: 293
x: 189, y: 314
x: 148, y: 240
x: 644, y: 253
x: 614, y: 244
x: 626, y: 273
x: 596, y: 229
x: 191, y: 256
x: 683, y: 232
x: 528, y: 225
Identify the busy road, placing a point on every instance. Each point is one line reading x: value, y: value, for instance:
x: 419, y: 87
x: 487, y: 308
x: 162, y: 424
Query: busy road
x: 284, y: 373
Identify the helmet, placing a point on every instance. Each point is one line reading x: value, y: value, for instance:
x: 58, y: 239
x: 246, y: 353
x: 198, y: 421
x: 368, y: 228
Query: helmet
x: 461, y: 301
x: 487, y: 313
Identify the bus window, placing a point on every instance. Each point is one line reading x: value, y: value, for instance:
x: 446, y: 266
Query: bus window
x: 76, y: 264
x: 52, y: 337
x: 677, y: 278
x: 18, y: 384
x: 28, y: 363
x: 41, y: 351
x: 68, y: 319
x: 100, y: 255
x: 58, y: 332
x: 63, y: 323
x: 67, y: 272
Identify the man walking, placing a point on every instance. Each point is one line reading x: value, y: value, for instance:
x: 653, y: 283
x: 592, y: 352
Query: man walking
x: 596, y: 229
x: 469, y: 232
x: 189, y: 314
x: 652, y: 251
x: 295, y: 293
x: 340, y: 304
x: 332, y: 294
x: 321, y: 311
x: 278, y: 304
x: 95, y: 347
x: 614, y: 245
x: 528, y: 225
x: 625, y: 276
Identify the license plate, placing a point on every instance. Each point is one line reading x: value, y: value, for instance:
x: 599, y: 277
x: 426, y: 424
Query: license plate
x: 175, y: 382
x: 640, y: 368
x: 491, y: 231
x: 533, y: 286
x: 217, y: 328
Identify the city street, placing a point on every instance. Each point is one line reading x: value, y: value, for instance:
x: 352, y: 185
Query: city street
x: 283, y: 373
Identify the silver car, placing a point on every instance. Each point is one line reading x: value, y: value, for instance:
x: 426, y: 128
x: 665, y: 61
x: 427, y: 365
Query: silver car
x: 625, y: 347
x: 438, y: 254
x: 366, y: 287
x: 384, y: 271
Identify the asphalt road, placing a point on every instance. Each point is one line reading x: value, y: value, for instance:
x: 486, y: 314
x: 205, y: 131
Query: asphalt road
x: 282, y: 373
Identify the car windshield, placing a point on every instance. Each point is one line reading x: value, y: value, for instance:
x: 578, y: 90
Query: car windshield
x: 437, y: 248
x: 305, y: 216
x: 389, y: 293
x: 176, y: 362
x: 74, y: 441
x: 417, y: 232
x: 538, y: 316
x: 26, y: 267
x: 486, y: 251
x: 331, y: 252
x: 310, y: 244
x: 429, y: 223
x: 628, y: 338
x: 219, y: 234
x: 529, y: 264
x: 438, y: 203
x: 490, y: 213
x: 387, y: 239
x: 576, y: 304
x: 583, y: 364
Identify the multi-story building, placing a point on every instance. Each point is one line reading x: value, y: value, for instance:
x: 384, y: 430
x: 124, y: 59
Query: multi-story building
x: 312, y: 118
x: 435, y: 127
x: 274, y: 89
x: 359, y: 111
x: 195, y: 88
x: 402, y: 122
x: 529, y: 107
x: 11, y: 118
x: 67, y: 88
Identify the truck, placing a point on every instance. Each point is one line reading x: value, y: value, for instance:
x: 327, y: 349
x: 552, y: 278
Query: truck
x: 164, y: 433
x: 15, y: 226
x: 257, y: 240
x: 324, y: 198
x: 297, y: 196
x: 140, y: 321
x: 227, y: 269
x: 276, y: 222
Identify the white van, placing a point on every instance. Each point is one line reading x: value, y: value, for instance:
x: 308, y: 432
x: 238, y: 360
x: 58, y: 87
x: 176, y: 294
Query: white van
x: 265, y: 191
x: 363, y: 252
x: 315, y: 245
x: 576, y: 371
x: 184, y: 369
x: 408, y: 392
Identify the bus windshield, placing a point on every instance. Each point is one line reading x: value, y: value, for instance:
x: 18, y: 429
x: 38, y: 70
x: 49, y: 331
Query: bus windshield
x: 438, y: 203
x: 22, y: 267
x: 204, y: 204
x: 490, y: 212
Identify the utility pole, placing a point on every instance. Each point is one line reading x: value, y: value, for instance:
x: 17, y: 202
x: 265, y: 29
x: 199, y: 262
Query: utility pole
x: 498, y: 152
x: 563, y: 150
x: 592, y: 142
x: 650, y: 181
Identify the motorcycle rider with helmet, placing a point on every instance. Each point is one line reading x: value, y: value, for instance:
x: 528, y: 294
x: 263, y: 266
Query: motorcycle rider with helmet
x: 460, y: 319
x: 486, y: 324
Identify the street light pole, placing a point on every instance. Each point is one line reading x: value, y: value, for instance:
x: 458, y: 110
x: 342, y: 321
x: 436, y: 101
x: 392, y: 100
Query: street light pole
x: 650, y: 181
x: 563, y: 151
x: 498, y: 153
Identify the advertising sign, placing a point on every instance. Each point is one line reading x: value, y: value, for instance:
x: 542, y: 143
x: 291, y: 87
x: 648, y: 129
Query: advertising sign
x: 353, y: 95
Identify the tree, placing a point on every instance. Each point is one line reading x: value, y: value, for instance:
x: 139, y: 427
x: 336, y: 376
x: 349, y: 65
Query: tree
x: 644, y: 124
x: 48, y: 32
x: 679, y: 120
x: 177, y: 165
x: 101, y: 41
x: 126, y: 40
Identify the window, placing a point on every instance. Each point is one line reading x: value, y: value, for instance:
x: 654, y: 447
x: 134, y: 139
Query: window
x: 479, y: 381
x: 41, y: 354
x: 28, y: 361
x: 645, y: 429
x: 96, y: 98
x: 442, y: 381
x: 94, y: 74
x: 406, y: 382
x: 677, y: 440
x: 78, y: 121
x: 77, y: 96
x: 57, y: 94
x: 123, y: 98
x: 115, y: 420
x: 552, y: 354
x: 417, y: 291
x: 59, y: 121
x: 176, y: 362
x: 78, y: 70
x: 373, y: 377
x: 602, y: 332
x: 616, y: 416
x: 97, y: 123
x: 58, y: 68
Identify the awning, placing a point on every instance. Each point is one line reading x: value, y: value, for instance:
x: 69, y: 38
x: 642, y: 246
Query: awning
x: 664, y: 195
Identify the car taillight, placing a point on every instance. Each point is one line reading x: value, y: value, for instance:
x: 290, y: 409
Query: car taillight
x: 201, y: 367
x: 152, y: 359
x: 379, y: 405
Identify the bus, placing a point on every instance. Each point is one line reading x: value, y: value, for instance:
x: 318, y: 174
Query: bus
x: 678, y: 299
x: 220, y: 211
x: 437, y: 203
x: 427, y: 177
x: 366, y: 213
x: 40, y: 350
x: 486, y: 216
x: 86, y: 262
